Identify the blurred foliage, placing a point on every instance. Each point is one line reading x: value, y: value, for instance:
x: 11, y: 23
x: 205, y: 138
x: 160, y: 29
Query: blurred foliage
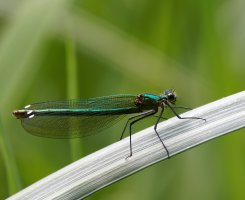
x: 58, y: 49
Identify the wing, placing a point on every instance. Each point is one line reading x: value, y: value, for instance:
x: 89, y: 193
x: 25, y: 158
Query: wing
x: 77, y: 125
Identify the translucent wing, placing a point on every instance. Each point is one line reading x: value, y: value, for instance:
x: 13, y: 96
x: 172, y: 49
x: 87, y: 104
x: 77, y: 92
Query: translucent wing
x: 78, y: 125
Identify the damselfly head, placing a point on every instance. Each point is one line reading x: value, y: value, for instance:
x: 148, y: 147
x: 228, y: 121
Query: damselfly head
x: 170, y: 95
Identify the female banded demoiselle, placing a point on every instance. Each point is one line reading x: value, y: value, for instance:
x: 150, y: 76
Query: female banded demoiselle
x: 80, y: 118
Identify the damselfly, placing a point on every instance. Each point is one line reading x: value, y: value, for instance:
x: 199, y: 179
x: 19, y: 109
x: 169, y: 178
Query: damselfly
x: 80, y: 118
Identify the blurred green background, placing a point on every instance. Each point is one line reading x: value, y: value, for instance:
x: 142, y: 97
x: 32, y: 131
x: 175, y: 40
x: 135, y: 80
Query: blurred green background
x: 60, y: 49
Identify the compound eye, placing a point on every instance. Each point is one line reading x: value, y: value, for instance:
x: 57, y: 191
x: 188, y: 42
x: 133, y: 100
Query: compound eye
x: 171, y: 97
